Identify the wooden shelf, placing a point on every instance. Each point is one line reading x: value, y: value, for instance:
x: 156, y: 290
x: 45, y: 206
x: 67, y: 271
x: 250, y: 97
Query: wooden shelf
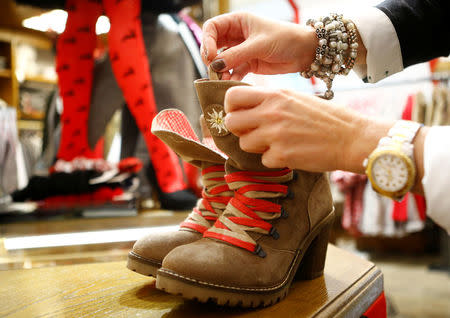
x: 41, y: 79
x: 5, y: 73
x: 34, y: 116
x: 30, y: 124
x: 349, y: 286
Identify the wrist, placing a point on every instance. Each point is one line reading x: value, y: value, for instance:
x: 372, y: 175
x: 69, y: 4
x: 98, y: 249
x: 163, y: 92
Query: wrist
x: 362, y: 52
x: 307, y: 47
x: 363, y: 137
x: 419, y: 142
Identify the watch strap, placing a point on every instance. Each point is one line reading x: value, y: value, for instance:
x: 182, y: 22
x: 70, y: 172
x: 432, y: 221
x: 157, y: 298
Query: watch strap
x: 404, y: 131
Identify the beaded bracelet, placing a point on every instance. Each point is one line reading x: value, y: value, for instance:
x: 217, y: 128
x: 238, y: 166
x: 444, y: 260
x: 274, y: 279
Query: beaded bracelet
x: 337, y: 50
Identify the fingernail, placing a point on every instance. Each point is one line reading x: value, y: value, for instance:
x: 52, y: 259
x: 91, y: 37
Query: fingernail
x: 218, y: 65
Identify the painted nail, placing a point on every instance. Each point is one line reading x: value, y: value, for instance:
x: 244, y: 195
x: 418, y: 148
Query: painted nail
x: 218, y: 65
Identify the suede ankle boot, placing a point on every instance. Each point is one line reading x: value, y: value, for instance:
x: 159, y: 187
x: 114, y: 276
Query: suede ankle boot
x: 172, y: 127
x: 273, y: 230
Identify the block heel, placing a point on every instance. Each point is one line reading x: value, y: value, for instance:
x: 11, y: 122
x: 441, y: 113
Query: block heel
x: 313, y: 262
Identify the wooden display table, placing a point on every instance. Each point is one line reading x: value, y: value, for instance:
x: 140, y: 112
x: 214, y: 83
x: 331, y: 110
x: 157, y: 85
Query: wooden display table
x: 349, y: 287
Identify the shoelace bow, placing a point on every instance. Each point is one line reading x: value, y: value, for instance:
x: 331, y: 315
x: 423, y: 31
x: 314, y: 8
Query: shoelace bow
x: 247, y: 211
x: 215, y: 197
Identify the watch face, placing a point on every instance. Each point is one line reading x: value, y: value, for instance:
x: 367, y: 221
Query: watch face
x: 390, y: 173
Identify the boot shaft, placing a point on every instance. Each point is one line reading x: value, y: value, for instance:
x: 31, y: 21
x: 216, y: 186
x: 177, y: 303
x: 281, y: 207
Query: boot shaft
x: 211, y: 95
x: 309, y: 200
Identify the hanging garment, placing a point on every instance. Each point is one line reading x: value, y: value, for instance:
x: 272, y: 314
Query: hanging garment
x: 9, y: 143
x: 51, y: 135
x: 352, y: 185
x: 419, y: 109
x: 377, y: 216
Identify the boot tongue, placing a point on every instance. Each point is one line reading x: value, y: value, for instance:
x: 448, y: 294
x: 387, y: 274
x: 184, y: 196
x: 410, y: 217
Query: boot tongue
x: 211, y: 94
x: 174, y: 129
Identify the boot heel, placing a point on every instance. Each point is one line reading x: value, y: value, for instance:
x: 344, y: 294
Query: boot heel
x: 313, y: 261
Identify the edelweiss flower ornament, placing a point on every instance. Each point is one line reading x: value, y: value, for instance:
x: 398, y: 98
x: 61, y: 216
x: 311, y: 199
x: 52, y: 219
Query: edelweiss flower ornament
x: 215, y: 118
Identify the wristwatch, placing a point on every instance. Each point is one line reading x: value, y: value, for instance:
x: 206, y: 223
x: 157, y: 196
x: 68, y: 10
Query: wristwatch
x: 391, y: 167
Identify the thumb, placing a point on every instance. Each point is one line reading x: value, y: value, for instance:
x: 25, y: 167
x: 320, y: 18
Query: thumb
x: 236, y: 55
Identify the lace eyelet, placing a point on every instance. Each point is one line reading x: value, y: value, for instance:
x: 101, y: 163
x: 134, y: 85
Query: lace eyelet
x: 259, y: 251
x: 274, y: 233
x: 284, y: 213
x: 290, y: 194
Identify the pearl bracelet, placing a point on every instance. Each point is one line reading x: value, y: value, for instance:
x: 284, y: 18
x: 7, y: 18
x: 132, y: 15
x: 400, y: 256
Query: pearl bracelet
x: 337, y: 50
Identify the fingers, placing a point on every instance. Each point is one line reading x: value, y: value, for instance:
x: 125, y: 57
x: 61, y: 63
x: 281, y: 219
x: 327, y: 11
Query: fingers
x: 236, y: 55
x: 254, y: 141
x: 241, y: 122
x: 226, y: 76
x: 209, y: 43
x: 243, y: 97
x: 274, y: 158
x: 240, y: 71
x: 223, y: 30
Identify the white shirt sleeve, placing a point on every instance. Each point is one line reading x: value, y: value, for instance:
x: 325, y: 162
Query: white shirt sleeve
x: 436, y: 179
x: 384, y: 56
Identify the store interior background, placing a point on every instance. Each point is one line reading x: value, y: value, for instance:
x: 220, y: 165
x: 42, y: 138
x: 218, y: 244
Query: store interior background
x: 415, y: 261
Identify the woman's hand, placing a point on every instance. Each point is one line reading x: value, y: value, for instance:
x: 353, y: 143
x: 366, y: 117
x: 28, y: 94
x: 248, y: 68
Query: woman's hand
x: 256, y: 45
x: 300, y: 131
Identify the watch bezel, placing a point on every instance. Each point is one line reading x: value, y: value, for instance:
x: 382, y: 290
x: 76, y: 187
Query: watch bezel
x: 409, y: 166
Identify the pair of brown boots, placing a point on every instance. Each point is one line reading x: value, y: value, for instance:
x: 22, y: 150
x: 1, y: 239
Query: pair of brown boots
x: 254, y: 230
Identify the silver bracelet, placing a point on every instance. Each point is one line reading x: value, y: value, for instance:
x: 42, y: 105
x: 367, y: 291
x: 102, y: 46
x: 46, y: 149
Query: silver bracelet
x: 337, y: 50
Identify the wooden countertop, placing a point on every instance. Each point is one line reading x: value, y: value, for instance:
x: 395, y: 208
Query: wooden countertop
x: 347, y: 289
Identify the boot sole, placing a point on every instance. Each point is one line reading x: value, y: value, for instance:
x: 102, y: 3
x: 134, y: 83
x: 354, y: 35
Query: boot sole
x: 142, y: 265
x: 304, y: 268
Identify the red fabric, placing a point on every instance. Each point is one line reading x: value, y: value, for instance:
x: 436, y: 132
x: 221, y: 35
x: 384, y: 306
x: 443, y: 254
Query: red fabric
x: 400, y: 209
x: 130, y: 65
x: 99, y: 196
x: 131, y: 164
x: 421, y: 206
x: 74, y: 65
x: 377, y: 309
x: 296, y: 11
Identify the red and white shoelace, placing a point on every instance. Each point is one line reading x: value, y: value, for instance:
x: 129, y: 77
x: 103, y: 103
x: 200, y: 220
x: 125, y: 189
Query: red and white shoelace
x: 215, y: 197
x: 249, y: 210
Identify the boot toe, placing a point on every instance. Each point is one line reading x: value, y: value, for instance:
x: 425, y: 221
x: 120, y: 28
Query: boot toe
x: 155, y: 247
x: 218, y: 264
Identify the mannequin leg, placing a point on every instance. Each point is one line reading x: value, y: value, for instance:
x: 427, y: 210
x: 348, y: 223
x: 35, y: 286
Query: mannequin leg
x: 74, y: 65
x: 130, y: 65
